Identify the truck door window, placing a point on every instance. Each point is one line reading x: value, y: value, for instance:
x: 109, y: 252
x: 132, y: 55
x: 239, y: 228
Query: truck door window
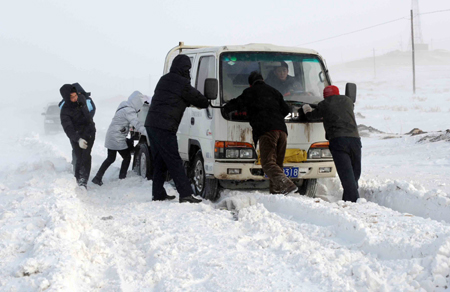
x: 206, y: 69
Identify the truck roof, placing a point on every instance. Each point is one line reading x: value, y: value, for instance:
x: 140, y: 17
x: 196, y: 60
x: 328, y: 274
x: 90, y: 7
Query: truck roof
x: 257, y: 47
x: 248, y: 47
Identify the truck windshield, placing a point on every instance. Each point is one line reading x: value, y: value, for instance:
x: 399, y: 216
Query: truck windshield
x: 300, y: 78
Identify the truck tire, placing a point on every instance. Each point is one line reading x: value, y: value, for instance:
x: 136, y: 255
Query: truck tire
x: 207, y: 188
x: 143, y: 162
x: 135, y: 166
x: 307, y: 187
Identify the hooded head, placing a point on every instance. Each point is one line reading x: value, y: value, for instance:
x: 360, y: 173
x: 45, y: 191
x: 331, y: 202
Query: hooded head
x: 330, y: 91
x: 66, y: 90
x: 136, y: 100
x: 181, y: 65
x: 81, y: 89
x: 253, y: 77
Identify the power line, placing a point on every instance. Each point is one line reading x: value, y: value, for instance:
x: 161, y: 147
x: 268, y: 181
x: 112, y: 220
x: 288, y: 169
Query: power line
x: 437, y: 11
x: 355, y: 31
x: 366, y: 28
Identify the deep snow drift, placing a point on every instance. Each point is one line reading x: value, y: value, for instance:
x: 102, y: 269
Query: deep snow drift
x: 114, y: 238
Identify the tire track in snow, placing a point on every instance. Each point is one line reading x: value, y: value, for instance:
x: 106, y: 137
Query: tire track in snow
x: 180, y: 247
x: 408, y: 198
x: 388, y: 239
x: 365, y: 226
x: 401, y: 196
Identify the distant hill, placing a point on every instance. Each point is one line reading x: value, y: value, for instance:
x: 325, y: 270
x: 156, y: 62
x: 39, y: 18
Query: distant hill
x: 400, y: 59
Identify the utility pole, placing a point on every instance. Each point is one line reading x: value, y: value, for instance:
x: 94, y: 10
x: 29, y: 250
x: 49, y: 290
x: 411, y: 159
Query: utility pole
x: 413, y: 57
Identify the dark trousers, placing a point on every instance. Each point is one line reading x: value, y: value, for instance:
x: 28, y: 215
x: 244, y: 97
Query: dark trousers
x: 346, y: 153
x: 82, y: 161
x: 272, y: 149
x: 164, y: 147
x: 126, y: 155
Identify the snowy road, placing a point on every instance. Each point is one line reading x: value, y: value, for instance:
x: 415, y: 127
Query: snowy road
x: 114, y: 238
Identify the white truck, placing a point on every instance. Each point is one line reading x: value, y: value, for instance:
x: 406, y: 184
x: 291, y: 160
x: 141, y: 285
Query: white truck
x: 217, y: 147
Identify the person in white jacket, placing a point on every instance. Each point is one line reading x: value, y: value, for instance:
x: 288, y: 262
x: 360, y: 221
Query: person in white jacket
x: 116, y: 136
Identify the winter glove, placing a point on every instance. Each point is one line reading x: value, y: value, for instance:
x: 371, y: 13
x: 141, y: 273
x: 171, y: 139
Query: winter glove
x: 307, y: 108
x: 83, y: 143
x: 81, y: 99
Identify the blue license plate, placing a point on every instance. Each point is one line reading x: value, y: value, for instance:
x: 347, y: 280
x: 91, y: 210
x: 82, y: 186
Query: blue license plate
x: 289, y: 172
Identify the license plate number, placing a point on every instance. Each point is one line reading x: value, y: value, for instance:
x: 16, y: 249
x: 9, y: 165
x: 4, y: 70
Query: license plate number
x: 291, y: 171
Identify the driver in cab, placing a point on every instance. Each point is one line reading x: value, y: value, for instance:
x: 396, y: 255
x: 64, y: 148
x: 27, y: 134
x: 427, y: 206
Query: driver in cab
x: 280, y: 79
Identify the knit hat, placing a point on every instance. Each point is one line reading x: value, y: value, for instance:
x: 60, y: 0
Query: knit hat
x: 254, y: 76
x: 330, y: 90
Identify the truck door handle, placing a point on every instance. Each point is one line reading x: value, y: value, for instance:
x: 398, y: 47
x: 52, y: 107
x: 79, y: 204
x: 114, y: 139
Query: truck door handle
x: 192, y: 121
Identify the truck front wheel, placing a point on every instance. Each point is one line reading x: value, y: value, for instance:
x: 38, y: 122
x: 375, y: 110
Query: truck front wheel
x: 143, y: 165
x: 205, y: 187
x: 307, y: 187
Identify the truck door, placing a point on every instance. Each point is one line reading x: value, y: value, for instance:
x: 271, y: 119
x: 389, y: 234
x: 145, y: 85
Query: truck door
x: 185, y: 124
x: 201, y: 119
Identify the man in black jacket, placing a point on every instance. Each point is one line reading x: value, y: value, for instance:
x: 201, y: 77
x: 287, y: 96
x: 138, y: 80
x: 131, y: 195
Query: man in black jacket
x: 266, y: 110
x: 90, y: 105
x: 342, y: 132
x: 173, y: 94
x: 80, y: 128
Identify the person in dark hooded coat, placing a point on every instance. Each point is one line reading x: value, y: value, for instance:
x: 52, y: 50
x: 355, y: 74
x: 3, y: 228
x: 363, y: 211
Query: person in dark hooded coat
x: 79, y: 126
x: 266, y: 110
x: 90, y: 105
x: 173, y: 94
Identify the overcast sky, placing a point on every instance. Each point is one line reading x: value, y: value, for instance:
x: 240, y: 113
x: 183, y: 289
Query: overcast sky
x: 115, y: 47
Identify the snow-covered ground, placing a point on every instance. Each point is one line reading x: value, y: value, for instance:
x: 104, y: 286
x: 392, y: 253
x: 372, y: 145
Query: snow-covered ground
x: 114, y: 238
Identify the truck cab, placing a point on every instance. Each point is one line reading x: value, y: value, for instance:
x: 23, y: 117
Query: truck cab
x: 217, y: 147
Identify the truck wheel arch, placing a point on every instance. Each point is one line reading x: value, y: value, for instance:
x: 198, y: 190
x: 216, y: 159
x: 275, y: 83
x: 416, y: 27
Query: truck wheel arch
x: 194, y: 146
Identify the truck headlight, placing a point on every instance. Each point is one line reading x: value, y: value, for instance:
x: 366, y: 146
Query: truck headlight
x: 315, y: 153
x: 326, y: 153
x: 246, y: 153
x: 234, y: 150
x: 232, y: 153
x: 319, y: 150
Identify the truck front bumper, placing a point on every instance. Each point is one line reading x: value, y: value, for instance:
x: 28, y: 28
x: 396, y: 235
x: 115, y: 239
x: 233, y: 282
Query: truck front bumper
x: 252, y: 171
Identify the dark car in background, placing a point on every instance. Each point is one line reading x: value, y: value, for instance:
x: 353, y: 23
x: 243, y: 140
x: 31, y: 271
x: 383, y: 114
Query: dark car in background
x: 52, y: 120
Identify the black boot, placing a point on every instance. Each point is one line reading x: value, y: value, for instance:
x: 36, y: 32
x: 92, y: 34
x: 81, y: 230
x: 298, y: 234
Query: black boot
x: 97, y: 180
x: 166, y: 197
x: 189, y: 199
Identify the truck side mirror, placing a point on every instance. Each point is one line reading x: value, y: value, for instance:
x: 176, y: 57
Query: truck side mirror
x: 211, y: 88
x: 350, y: 91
